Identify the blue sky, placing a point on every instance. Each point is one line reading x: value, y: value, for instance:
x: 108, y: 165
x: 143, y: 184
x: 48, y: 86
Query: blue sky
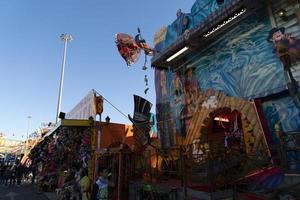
x: 31, y: 55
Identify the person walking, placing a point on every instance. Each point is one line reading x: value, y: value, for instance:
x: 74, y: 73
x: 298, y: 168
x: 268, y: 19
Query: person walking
x: 19, y: 173
x: 12, y: 175
x: 6, y: 174
x: 2, y: 171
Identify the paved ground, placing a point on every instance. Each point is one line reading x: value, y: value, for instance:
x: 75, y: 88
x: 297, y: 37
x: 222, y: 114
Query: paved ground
x: 25, y: 191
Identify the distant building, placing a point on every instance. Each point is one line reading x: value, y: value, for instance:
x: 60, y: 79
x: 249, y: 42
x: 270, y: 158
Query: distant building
x: 8, y: 146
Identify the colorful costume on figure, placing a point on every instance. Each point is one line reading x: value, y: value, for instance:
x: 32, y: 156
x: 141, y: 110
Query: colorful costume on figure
x: 287, y: 48
x: 127, y: 47
x: 130, y: 48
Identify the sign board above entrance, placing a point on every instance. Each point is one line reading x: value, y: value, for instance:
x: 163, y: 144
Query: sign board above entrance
x: 85, y: 109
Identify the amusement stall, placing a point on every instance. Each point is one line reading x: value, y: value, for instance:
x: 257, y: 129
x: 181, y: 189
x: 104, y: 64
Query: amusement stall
x: 63, y: 152
x: 79, y: 143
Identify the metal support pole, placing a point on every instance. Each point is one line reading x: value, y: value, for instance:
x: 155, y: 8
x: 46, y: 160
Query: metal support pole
x: 66, y: 38
x: 98, y: 147
x: 120, y: 177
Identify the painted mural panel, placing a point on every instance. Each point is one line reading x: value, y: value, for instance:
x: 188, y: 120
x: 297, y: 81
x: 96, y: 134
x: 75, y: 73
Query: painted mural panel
x: 199, y: 12
x: 241, y: 63
x: 178, y: 27
x: 283, y: 112
x: 202, y: 8
x: 165, y: 121
x: 177, y: 95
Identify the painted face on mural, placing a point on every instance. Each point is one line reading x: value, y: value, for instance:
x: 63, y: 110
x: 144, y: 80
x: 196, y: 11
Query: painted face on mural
x: 190, y: 72
x: 177, y: 84
x: 277, y: 36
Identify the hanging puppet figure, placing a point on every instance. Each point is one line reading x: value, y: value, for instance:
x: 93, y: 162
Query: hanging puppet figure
x: 146, y: 90
x: 146, y: 83
x: 130, y: 48
x: 146, y: 80
x: 142, y: 44
x: 287, y: 47
x: 127, y: 47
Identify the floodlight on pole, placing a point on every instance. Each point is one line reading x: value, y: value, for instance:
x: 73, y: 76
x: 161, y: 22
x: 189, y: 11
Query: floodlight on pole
x: 66, y: 38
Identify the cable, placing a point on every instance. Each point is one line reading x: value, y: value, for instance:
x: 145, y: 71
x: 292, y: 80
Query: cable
x: 134, y: 123
x: 111, y: 104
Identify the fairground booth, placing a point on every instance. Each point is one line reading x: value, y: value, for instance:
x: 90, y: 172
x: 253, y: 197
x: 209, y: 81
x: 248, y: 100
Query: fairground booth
x: 226, y: 76
x: 77, y: 143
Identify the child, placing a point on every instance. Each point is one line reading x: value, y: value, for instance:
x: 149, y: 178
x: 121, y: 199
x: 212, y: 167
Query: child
x: 100, y: 188
x: 84, y: 185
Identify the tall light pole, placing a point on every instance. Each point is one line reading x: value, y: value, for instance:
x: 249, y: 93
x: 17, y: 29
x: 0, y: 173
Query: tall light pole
x: 28, y: 126
x: 66, y: 38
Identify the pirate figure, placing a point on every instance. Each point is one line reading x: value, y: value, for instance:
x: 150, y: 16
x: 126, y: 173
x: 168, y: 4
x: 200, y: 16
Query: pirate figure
x: 287, y: 49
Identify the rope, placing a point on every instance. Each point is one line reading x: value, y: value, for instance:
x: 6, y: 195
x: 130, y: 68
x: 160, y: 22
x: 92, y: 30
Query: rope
x: 112, y: 105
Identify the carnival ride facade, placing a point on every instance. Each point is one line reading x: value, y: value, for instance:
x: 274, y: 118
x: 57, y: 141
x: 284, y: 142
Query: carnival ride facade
x: 224, y: 99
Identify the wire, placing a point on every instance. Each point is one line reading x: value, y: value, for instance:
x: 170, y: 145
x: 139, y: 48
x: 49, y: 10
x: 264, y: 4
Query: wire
x: 111, y: 104
x: 134, y: 123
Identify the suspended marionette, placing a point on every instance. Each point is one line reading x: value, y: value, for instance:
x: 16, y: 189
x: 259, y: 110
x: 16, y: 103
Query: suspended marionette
x: 146, y: 83
x: 287, y: 49
x: 130, y: 48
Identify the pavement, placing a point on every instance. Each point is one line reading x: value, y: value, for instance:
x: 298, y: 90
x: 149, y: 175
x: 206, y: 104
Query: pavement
x: 25, y: 191
x: 51, y: 195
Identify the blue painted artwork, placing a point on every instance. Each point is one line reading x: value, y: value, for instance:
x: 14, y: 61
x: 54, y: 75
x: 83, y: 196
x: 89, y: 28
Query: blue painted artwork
x: 199, y: 12
x: 241, y: 63
x: 202, y: 8
x: 283, y: 112
x: 170, y: 98
x: 177, y: 28
x: 153, y: 122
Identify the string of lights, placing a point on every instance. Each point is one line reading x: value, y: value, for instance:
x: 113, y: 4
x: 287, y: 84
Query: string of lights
x: 225, y: 22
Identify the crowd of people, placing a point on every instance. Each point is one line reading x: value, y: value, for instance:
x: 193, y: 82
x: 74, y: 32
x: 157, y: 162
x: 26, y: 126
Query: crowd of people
x: 76, y: 185
x: 71, y: 185
x: 12, y: 173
